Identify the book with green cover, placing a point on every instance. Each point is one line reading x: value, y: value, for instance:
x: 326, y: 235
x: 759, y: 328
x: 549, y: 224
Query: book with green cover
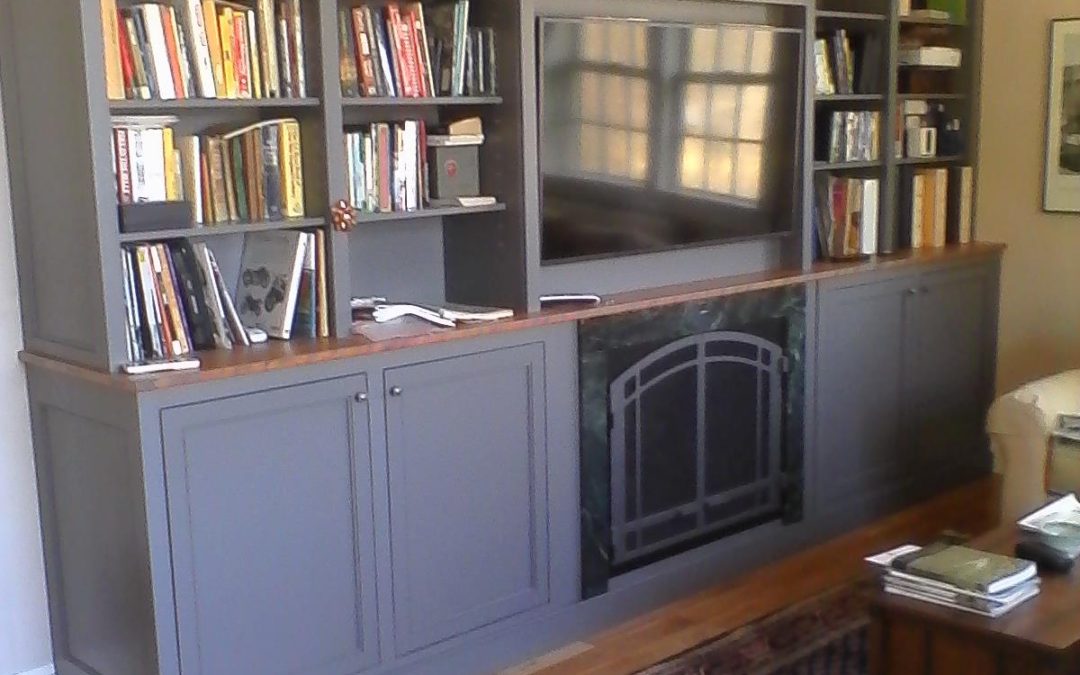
x: 957, y: 9
x: 970, y: 569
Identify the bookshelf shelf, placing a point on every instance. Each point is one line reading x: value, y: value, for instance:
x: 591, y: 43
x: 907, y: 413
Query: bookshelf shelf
x: 434, y: 212
x: 834, y: 16
x: 842, y: 166
x: 222, y: 230
x: 849, y: 98
x: 175, y: 106
x: 941, y: 159
x: 390, y: 102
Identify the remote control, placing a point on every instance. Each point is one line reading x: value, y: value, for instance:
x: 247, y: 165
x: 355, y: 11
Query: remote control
x: 570, y: 299
x: 1048, y: 558
x: 161, y: 366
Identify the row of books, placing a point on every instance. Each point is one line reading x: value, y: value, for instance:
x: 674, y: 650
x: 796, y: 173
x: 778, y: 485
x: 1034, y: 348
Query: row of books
x: 987, y: 584
x: 387, y: 166
x: 846, y: 215
x: 936, y: 206
x: 177, y: 301
x: 204, y: 49
x: 851, y: 136
x: 841, y: 69
x: 245, y: 175
x: 390, y: 51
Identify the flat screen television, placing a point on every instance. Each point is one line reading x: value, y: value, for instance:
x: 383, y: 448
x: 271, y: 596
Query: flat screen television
x: 657, y: 135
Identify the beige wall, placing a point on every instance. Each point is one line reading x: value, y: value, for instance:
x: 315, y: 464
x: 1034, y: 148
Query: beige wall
x: 24, y: 628
x: 1040, y: 304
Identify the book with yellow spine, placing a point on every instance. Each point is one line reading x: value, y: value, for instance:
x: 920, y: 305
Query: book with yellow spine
x: 292, y: 170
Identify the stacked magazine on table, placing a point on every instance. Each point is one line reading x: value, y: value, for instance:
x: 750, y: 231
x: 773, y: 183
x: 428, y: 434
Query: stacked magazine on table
x: 954, y: 576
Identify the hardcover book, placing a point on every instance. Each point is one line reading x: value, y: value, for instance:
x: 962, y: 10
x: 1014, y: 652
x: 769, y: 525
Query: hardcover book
x: 270, y: 271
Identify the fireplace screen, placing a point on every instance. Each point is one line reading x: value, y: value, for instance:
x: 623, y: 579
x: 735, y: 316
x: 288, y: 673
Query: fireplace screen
x: 696, y: 440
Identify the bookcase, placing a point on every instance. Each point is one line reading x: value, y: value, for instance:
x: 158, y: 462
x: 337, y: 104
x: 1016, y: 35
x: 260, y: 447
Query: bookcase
x: 58, y: 117
x: 898, y: 86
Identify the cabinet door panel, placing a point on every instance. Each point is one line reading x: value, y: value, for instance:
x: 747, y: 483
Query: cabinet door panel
x: 948, y: 364
x: 859, y: 391
x: 468, y: 497
x: 271, y: 526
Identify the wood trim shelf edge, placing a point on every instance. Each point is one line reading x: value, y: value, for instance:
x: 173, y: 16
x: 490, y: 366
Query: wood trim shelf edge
x: 223, y: 364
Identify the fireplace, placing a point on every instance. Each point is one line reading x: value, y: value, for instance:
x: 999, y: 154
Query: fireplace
x: 691, y: 427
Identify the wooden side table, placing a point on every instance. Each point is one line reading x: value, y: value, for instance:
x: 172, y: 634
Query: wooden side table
x: 1040, y: 637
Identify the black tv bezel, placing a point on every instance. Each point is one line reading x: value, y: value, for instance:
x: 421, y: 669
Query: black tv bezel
x: 793, y: 227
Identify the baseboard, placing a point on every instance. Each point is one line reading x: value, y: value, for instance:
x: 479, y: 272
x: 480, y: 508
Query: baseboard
x: 44, y: 670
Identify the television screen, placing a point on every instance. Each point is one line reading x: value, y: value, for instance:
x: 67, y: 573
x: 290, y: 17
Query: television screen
x: 660, y: 135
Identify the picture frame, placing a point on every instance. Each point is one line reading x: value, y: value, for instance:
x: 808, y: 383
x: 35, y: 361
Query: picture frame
x: 1061, y: 180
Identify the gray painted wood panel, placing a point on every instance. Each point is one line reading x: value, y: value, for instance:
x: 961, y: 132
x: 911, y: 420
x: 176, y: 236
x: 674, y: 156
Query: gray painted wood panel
x: 859, y: 391
x: 468, y: 496
x: 272, y: 533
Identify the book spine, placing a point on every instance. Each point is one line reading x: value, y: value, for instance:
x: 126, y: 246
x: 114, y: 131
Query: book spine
x: 231, y: 317
x: 293, y: 169
x: 404, y: 51
x: 254, y: 57
x: 371, y: 172
x: 123, y: 166
x: 140, y: 82
x: 127, y: 66
x: 170, y: 343
x: 213, y: 39
x: 110, y: 34
x: 322, y: 296
x: 347, y: 55
x: 299, y: 67
x: 236, y: 155
x: 230, y: 181
x: 141, y: 46
x: 382, y: 43
x: 284, y: 331
x: 218, y: 186
x: 195, y: 21
x: 176, y: 305
x: 131, y: 312
x: 240, y: 54
x: 422, y: 47
x: 172, y: 45
x: 172, y: 170
x: 159, y: 51
x: 271, y: 161
x: 187, y: 52
x: 149, y: 302
x: 384, y: 161
x: 213, y: 297
x: 268, y: 48
x: 228, y: 65
x: 285, y: 67
x: 363, y: 54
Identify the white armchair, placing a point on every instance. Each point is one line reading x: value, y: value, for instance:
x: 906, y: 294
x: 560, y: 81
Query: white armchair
x: 1019, y: 425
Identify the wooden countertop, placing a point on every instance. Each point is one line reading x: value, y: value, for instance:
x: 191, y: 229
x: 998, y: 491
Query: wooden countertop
x: 221, y: 364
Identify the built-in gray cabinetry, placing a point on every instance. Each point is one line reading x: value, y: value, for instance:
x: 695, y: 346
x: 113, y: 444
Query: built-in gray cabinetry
x: 904, y: 378
x: 270, y: 521
x: 468, y: 494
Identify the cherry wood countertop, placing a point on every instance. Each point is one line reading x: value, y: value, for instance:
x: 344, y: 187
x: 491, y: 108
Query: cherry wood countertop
x: 221, y: 364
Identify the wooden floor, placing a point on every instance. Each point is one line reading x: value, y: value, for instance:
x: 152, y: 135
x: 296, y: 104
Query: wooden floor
x: 685, y: 624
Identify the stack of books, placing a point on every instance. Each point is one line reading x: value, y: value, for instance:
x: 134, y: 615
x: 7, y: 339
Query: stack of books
x: 178, y: 302
x: 852, y: 136
x: 387, y: 166
x: 842, y: 69
x: 846, y: 215
x: 390, y: 51
x: 962, y: 578
x: 204, y: 49
x: 251, y: 174
x: 936, y: 206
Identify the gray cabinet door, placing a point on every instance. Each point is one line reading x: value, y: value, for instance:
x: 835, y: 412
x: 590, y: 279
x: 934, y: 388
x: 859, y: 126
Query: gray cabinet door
x: 270, y: 515
x: 468, y: 494
x: 859, y: 392
x: 948, y: 364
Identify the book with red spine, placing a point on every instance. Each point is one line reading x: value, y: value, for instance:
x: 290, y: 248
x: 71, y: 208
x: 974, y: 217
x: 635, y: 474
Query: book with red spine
x: 364, y: 45
x: 127, y: 66
x: 240, y: 55
x: 404, y: 52
x: 174, y: 53
x: 415, y: 16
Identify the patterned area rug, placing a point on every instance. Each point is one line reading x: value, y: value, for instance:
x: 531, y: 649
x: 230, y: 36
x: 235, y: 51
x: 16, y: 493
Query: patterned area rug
x: 826, y: 635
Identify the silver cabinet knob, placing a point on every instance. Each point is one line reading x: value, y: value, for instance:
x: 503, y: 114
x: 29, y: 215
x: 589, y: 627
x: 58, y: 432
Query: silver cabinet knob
x: 396, y: 391
x: 912, y: 291
x: 361, y: 398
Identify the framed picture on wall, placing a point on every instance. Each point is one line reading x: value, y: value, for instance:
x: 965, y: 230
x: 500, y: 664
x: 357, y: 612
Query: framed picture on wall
x: 1062, y: 178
